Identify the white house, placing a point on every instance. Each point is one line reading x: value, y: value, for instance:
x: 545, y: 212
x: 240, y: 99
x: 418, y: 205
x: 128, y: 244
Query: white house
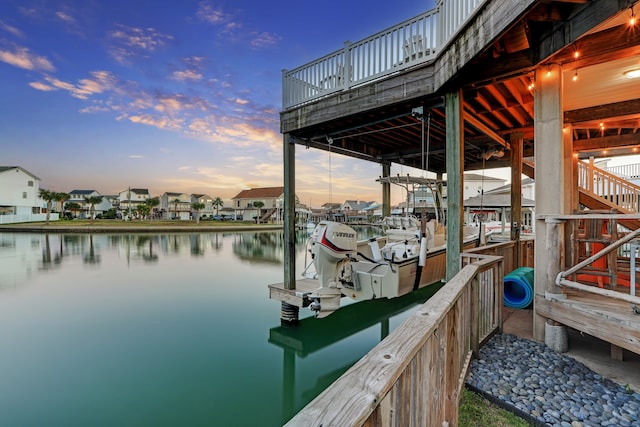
x: 207, y: 201
x: 355, y: 210
x: 131, y: 198
x: 495, y: 205
x: 78, y: 196
x: 475, y: 184
x: 175, y: 206
x: 19, y: 198
x: 271, y: 199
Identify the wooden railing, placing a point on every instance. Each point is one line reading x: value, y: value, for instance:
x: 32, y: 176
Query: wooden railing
x: 412, y: 42
x: 514, y: 254
x: 604, y: 185
x: 416, y: 374
x: 562, y: 277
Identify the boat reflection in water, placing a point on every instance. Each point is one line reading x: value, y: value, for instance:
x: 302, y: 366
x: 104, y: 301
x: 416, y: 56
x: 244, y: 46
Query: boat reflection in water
x: 165, y: 330
x: 315, y: 338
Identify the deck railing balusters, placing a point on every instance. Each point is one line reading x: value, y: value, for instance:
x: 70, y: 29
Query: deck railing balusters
x: 609, y: 187
x: 412, y: 42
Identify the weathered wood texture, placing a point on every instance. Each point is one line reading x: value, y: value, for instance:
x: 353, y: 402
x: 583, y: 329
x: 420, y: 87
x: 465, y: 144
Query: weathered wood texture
x: 391, y: 90
x: 455, y: 169
x: 609, y: 319
x: 484, y: 29
x: 507, y: 251
x: 414, y: 376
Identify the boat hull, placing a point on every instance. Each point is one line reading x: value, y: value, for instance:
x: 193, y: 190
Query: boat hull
x: 371, y: 280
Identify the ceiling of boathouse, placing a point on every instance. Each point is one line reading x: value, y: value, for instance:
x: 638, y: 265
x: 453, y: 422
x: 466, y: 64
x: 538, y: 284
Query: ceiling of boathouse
x: 602, y: 105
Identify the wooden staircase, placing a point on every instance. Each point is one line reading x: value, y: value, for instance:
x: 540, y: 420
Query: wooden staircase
x: 601, y: 190
x: 267, y: 214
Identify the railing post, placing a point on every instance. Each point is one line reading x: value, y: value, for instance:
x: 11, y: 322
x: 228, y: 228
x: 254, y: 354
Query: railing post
x: 346, y: 72
x: 555, y: 335
x: 439, y: 25
x: 474, y: 311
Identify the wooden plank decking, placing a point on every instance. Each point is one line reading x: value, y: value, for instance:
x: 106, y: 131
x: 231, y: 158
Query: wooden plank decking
x: 605, y: 318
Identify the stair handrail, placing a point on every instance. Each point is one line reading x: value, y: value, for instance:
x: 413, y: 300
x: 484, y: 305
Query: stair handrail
x: 561, y: 277
x: 602, y: 184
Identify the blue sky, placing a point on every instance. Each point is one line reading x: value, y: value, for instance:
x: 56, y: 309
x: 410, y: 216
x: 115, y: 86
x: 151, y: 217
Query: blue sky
x: 172, y: 95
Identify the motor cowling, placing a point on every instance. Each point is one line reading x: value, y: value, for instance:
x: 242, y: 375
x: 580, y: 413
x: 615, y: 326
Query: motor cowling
x: 332, y: 243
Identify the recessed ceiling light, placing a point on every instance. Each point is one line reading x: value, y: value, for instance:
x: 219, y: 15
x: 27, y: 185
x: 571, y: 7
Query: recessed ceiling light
x: 632, y: 74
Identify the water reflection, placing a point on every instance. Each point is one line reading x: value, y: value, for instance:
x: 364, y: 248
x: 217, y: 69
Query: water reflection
x: 129, y: 322
x: 314, y: 335
x: 18, y: 251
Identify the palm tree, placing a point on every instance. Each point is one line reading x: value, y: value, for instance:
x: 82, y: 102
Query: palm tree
x: 61, y: 197
x: 217, y: 203
x: 92, y: 201
x: 175, y: 206
x: 197, y: 207
x: 49, y: 197
x: 143, y: 210
x: 258, y: 205
x: 152, y: 203
x: 73, y: 207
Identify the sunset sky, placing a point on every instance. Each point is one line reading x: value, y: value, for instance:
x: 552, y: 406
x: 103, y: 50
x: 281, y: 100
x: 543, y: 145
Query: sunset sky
x: 176, y: 96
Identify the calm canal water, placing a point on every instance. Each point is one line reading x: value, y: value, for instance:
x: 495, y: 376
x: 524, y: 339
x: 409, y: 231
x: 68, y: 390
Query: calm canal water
x: 166, y: 330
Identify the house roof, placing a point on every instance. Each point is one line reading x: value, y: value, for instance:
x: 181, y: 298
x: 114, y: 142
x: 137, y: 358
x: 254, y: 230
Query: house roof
x: 137, y: 190
x: 261, y: 193
x: 372, y: 206
x: 477, y: 177
x: 331, y: 206
x: 495, y: 201
x: 7, y: 168
x: 507, y: 188
x: 81, y: 192
x: 357, y: 205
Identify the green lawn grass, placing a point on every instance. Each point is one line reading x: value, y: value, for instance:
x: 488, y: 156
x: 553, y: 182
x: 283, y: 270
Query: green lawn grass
x: 476, y: 411
x: 138, y: 223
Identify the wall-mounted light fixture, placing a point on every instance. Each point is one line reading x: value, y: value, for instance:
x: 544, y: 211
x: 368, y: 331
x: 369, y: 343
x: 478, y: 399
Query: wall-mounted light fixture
x: 632, y: 74
x: 575, y: 75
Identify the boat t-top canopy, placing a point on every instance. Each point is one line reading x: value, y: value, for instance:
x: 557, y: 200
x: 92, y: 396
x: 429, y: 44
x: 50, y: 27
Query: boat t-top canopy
x: 406, y: 180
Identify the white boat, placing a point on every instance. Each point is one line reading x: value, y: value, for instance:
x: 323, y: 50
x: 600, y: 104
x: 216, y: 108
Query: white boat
x: 410, y: 255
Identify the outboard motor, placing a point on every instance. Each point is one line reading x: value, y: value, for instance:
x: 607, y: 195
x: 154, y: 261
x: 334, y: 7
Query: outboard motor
x: 332, y: 246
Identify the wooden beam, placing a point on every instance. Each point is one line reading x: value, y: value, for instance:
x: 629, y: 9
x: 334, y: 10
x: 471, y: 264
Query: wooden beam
x: 606, y: 142
x: 475, y: 122
x: 289, y: 161
x: 597, y: 48
x: 455, y: 168
x: 583, y: 317
x: 516, y: 191
x: 601, y: 112
x: 588, y: 17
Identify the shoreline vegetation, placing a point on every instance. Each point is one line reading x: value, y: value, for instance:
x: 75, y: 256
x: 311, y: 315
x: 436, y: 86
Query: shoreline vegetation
x: 138, y: 226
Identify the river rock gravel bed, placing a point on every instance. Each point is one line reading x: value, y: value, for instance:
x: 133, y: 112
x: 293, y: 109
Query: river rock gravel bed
x: 552, y: 389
